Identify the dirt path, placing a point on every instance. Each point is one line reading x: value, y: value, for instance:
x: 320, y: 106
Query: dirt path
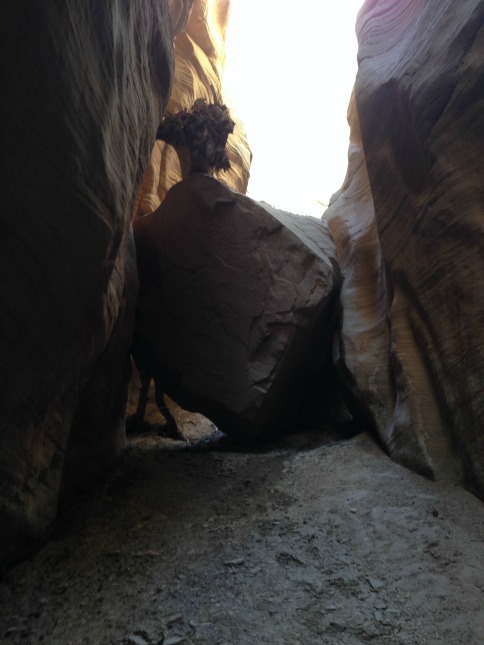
x: 309, y: 542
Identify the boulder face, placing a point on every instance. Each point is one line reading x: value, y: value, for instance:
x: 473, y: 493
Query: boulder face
x: 408, y: 227
x: 84, y: 85
x: 201, y: 27
x: 237, y: 306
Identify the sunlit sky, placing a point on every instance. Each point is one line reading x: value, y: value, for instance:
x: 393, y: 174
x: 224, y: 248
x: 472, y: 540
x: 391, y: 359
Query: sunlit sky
x: 289, y: 73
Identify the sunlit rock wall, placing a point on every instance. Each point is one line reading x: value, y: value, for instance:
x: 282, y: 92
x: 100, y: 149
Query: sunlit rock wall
x: 201, y: 27
x: 83, y: 86
x: 408, y: 224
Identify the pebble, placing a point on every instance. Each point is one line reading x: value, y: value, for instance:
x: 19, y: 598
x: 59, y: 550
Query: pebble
x: 236, y: 562
x: 176, y: 618
x: 141, y: 637
x: 375, y: 584
x: 174, y: 640
x: 380, y: 604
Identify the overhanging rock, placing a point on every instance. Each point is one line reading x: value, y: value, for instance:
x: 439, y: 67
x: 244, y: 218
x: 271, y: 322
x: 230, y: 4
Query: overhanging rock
x: 237, y: 306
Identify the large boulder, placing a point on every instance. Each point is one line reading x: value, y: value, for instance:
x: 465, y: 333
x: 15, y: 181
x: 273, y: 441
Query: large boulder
x: 237, y: 307
x: 408, y: 226
x: 84, y: 84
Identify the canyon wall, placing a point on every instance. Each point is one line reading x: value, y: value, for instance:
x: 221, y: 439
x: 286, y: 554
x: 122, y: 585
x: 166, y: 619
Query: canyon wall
x: 200, y: 29
x: 84, y: 84
x: 408, y: 225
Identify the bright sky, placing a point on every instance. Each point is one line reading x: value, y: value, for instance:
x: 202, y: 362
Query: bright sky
x: 289, y: 73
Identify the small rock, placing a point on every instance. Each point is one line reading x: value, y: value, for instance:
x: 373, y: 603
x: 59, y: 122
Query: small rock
x: 176, y: 618
x: 337, y: 627
x: 380, y: 604
x: 375, y: 584
x: 236, y: 562
x: 331, y: 607
x: 353, y: 510
x: 174, y: 640
x: 378, y: 616
x: 289, y: 558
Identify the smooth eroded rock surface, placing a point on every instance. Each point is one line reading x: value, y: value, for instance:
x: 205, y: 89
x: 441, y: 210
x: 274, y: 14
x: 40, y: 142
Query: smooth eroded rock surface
x: 408, y: 226
x: 237, y: 306
x: 83, y: 86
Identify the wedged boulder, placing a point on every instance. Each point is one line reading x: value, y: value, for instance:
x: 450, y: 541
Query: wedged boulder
x: 237, y: 307
x: 84, y: 84
x: 408, y: 226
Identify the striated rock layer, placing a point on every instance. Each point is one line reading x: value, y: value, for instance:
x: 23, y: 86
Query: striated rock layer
x: 84, y: 84
x: 237, y: 307
x: 201, y: 27
x: 408, y: 225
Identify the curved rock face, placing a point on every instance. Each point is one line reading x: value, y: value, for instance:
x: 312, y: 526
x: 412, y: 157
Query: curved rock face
x: 199, y: 64
x: 237, y: 307
x: 84, y: 85
x: 408, y: 225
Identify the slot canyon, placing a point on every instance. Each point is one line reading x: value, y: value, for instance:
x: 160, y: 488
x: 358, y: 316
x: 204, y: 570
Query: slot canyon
x: 326, y: 375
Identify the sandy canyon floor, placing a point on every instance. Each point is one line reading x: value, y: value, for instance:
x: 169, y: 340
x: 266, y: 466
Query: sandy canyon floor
x: 308, y: 541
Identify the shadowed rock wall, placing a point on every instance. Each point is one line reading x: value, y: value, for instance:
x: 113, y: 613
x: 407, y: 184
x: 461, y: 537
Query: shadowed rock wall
x: 408, y: 225
x: 201, y: 27
x: 84, y: 84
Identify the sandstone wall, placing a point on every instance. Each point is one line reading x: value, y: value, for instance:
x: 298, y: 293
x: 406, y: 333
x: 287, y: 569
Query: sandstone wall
x: 201, y: 27
x: 408, y: 224
x: 84, y: 84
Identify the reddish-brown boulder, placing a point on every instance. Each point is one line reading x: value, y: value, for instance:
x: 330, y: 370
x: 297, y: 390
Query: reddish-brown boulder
x: 237, y: 306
